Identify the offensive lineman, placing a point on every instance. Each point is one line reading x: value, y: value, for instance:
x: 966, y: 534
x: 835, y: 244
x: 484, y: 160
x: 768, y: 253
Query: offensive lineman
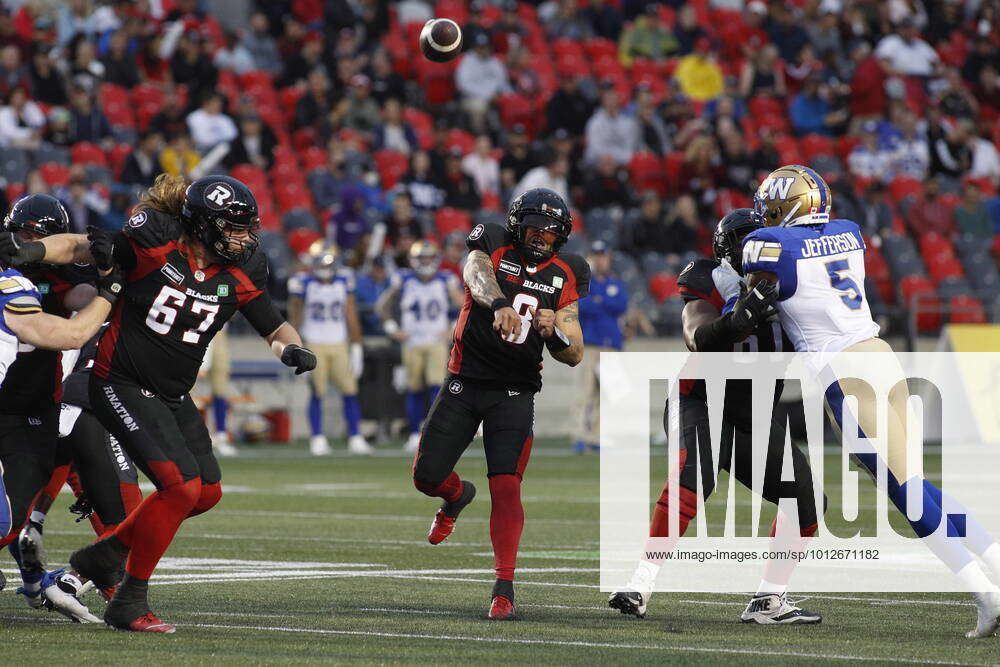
x: 520, y: 294
x: 191, y: 259
x: 423, y: 294
x: 720, y: 315
x: 817, y: 266
x: 322, y: 304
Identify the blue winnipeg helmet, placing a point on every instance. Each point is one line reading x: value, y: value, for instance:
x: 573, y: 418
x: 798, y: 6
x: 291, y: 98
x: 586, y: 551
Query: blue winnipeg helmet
x: 542, y: 209
x: 216, y: 207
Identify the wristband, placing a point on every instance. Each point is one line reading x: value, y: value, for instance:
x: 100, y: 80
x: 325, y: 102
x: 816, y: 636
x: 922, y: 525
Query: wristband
x: 391, y: 327
x: 557, y: 342
x: 30, y: 252
x: 501, y: 302
x: 717, y: 336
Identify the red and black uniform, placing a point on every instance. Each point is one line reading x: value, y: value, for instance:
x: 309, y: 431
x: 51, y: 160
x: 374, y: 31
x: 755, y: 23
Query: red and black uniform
x: 148, y: 360
x: 493, y: 383
x: 717, y: 283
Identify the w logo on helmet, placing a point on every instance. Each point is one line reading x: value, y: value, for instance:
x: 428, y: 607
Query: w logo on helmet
x: 779, y: 187
x: 219, y: 195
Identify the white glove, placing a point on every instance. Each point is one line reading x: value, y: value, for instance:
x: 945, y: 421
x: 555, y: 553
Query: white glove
x: 399, y: 380
x: 357, y: 359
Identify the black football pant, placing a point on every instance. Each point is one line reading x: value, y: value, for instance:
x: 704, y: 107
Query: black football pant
x: 27, y: 455
x: 461, y: 406
x: 736, y: 451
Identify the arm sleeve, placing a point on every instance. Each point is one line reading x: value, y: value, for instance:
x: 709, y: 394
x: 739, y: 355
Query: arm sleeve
x: 262, y: 314
x: 23, y: 304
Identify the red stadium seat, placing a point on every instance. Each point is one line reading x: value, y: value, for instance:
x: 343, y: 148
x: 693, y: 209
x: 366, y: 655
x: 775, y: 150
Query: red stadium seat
x: 788, y: 150
x: 673, y: 163
x: 491, y: 201
x: 117, y: 157
x: 599, y: 47
x: 517, y: 109
x: 663, y: 286
x: 54, y: 174
x: 919, y: 291
x: 289, y: 98
x: 422, y: 124
x: 904, y: 186
x: 15, y: 191
x: 110, y: 93
x: 147, y: 93
x: 452, y: 9
x: 119, y: 115
x: 253, y: 176
x: 647, y: 173
x: 966, y: 310
x: 460, y: 139
x: 564, y: 46
x: 763, y: 106
x: 945, y: 269
x: 293, y: 195
x: 392, y: 166
x: 299, y: 240
x: 314, y: 157
x: 816, y: 144
x: 88, y: 153
x: 448, y: 220
x: 255, y: 78
x: 437, y: 80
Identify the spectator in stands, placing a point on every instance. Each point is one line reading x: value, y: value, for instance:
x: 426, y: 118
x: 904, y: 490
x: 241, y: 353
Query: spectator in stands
x: 254, y: 145
x: 192, y: 65
x: 568, y: 108
x: 929, y: 213
x: 118, y: 208
x: 600, y: 313
x: 348, y: 224
x: 875, y: 215
x: 698, y: 72
x: 393, y: 133
x: 76, y: 17
x: 551, y: 174
x: 910, y: 155
x: 508, y: 32
x: 47, y: 83
x: 152, y: 67
x: 482, y: 167
x: 985, y: 160
x: 647, y: 37
x: 304, y: 61
x: 568, y: 23
x: 480, y: 77
x: 422, y: 184
x: 971, y: 215
x: 728, y: 105
x: 687, y: 31
x: 474, y: 25
x: 905, y: 52
x: 522, y: 71
x: 21, y: 121
x: 261, y: 45
x: 179, y: 158
x: 453, y: 253
x: 867, y: 161
x: 233, y: 56
x: 953, y: 97
x: 386, y: 83
x: 362, y: 109
x: 701, y: 170
x: 119, y: 63
x: 518, y: 159
x: 763, y: 74
x: 89, y: 123
x: 653, y: 133
x: 83, y: 206
x: 737, y: 163
x: 403, y: 220
x: 172, y: 119
x: 652, y: 229
x: 824, y: 35
x: 459, y: 189
x: 811, y: 110
x: 765, y: 158
x: 604, y: 19
x: 59, y: 129
x: 609, y: 131
x: 951, y: 152
x: 143, y: 164
x: 13, y: 73
x: 209, y: 125
x: 327, y: 183
x: 317, y: 99
x: 785, y: 31
x: 606, y: 185
x: 86, y: 71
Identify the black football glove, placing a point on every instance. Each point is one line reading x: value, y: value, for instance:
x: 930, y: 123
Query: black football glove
x: 102, y: 247
x: 300, y: 358
x: 111, y: 286
x: 755, y: 306
x: 14, y: 252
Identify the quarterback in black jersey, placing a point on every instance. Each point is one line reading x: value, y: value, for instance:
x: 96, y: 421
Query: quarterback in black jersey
x: 521, y: 295
x: 191, y: 260
x: 720, y: 315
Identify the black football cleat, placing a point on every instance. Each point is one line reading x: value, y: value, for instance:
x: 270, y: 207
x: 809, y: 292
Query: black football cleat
x: 102, y: 562
x: 129, y: 609
x: 444, y: 520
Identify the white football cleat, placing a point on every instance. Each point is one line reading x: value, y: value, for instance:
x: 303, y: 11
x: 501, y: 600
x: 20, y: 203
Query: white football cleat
x: 319, y: 446
x: 29, y: 542
x: 356, y: 444
x: 630, y: 601
x: 222, y: 446
x: 412, y: 444
x: 60, y: 591
x: 988, y: 615
x: 772, y: 609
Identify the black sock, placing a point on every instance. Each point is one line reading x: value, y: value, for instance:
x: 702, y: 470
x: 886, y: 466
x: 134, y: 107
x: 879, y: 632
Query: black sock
x: 504, y: 587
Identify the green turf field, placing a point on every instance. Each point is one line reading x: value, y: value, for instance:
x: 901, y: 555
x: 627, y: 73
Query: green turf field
x: 309, y: 560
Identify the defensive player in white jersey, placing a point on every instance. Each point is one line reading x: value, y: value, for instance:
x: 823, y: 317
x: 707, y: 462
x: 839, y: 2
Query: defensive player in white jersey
x: 817, y: 265
x: 424, y: 295
x: 321, y: 305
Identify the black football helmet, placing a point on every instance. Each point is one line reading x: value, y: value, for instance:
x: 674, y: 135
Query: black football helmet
x: 40, y: 214
x: 215, y: 207
x: 727, y: 241
x: 543, y: 209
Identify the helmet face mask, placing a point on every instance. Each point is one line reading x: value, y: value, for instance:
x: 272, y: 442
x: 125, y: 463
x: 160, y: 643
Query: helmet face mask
x: 542, y: 210
x: 221, y: 212
x: 727, y: 241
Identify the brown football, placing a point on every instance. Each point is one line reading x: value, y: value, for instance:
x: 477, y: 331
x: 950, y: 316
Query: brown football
x: 441, y: 40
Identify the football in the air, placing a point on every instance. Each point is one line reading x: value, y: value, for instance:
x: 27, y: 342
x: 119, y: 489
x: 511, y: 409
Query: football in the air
x: 441, y: 40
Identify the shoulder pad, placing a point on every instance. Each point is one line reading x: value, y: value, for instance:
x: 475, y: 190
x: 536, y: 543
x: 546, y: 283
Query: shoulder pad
x: 488, y: 237
x: 581, y: 272
x: 697, y: 282
x: 151, y: 229
x: 256, y: 268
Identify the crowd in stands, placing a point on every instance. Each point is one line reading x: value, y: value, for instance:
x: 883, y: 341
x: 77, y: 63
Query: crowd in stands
x: 652, y: 118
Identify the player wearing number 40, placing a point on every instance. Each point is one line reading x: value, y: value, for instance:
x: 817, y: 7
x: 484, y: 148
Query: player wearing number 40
x: 190, y: 259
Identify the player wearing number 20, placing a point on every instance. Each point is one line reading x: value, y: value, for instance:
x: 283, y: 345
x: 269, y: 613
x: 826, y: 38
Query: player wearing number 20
x: 190, y: 259
x: 521, y: 294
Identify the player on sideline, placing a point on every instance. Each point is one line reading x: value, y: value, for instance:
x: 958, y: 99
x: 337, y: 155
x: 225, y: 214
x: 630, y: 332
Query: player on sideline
x: 520, y: 294
x: 423, y: 296
x: 191, y: 259
x: 322, y: 304
x: 817, y: 265
x: 719, y: 316
x: 30, y: 386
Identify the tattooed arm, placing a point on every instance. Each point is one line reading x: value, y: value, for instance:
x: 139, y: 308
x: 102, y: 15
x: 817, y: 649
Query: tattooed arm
x: 481, y: 279
x: 562, y: 333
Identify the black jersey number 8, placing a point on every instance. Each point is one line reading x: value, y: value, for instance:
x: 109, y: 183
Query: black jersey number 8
x: 163, y: 312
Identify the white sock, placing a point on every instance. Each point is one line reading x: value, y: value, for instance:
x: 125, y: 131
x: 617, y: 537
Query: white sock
x: 37, y: 517
x: 644, y: 576
x: 768, y: 588
x: 975, y: 580
x: 991, y: 559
